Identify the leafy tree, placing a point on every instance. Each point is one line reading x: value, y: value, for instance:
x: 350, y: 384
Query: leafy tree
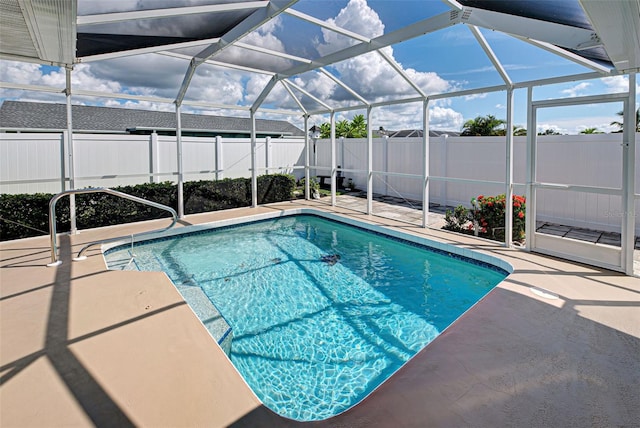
x: 519, y: 131
x: 483, y: 125
x: 325, y: 130
x: 342, y: 128
x: 549, y: 132
x: 620, y: 124
x: 358, y: 127
x: 590, y: 131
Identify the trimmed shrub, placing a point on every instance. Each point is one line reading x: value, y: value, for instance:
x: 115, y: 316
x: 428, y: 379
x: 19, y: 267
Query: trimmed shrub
x: 26, y: 215
x: 275, y: 188
x: 32, y: 210
x: 205, y: 196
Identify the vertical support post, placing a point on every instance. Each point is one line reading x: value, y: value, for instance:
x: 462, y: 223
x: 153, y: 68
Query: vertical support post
x: 254, y: 163
x: 385, y: 163
x: 219, y: 159
x: 307, y: 192
x: 341, y: 163
x: 425, y: 163
x: 63, y: 170
x: 268, y: 154
x: 530, y: 225
x: 179, y: 162
x: 333, y: 159
x: 508, y: 181
x: 369, y: 162
x: 444, y: 159
x: 628, y: 178
x: 154, y: 158
x: 70, y: 153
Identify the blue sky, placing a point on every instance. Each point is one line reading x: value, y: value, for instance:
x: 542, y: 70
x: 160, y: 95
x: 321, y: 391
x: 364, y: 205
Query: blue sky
x: 446, y: 60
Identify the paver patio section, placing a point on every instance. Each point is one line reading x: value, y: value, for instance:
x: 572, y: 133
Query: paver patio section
x: 81, y: 345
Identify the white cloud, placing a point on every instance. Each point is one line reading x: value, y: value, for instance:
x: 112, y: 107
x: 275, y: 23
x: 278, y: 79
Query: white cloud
x: 478, y: 96
x: 616, y: 84
x: 356, y: 16
x: 576, y: 90
x: 573, y: 126
x: 445, y: 119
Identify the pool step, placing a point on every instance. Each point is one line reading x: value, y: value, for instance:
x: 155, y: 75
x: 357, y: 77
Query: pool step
x: 208, y: 314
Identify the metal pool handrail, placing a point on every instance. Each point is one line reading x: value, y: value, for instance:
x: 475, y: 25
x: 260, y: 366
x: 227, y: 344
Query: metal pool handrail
x: 52, y: 219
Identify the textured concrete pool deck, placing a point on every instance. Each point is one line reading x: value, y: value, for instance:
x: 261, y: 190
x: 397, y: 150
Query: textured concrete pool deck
x: 83, y: 346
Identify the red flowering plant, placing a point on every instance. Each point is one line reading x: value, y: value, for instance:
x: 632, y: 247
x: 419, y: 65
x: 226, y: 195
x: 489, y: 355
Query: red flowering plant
x: 488, y: 216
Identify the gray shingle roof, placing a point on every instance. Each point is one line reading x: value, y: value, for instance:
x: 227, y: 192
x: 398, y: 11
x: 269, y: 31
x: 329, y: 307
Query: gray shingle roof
x: 406, y: 133
x: 47, y: 116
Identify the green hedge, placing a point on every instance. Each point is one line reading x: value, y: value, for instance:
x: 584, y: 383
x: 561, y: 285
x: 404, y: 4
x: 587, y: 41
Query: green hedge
x: 101, y: 209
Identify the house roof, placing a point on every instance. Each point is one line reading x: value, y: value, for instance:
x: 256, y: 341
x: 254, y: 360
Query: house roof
x: 48, y: 116
x: 407, y: 133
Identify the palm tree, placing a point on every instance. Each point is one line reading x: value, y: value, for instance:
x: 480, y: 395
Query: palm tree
x: 483, y: 125
x: 590, y: 131
x: 620, y: 124
x: 357, y: 128
x: 519, y: 131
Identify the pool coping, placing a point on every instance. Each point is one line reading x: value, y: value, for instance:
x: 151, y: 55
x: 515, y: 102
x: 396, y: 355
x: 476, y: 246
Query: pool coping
x: 516, y: 359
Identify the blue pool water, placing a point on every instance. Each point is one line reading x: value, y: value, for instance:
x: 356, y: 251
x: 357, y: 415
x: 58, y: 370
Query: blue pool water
x: 321, y: 312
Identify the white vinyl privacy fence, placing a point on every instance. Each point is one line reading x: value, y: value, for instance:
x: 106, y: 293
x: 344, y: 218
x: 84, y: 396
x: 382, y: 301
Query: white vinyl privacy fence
x: 31, y: 162
x: 456, y: 164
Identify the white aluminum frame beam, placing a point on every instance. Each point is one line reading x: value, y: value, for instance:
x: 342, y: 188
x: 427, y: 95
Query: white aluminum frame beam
x: 263, y: 95
x: 25, y: 87
x: 326, y: 25
x: 180, y: 184
x: 508, y: 211
x: 425, y: 163
x: 297, y: 101
x: 271, y: 52
x: 319, y: 101
x: 628, y: 175
x: 107, y: 18
x: 401, y: 72
x: 219, y: 63
x: 492, y: 56
x: 344, y: 86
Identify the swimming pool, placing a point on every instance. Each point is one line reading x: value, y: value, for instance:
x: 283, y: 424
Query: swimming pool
x: 320, y: 313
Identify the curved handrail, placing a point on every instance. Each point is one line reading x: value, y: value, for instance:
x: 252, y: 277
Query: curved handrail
x: 52, y: 219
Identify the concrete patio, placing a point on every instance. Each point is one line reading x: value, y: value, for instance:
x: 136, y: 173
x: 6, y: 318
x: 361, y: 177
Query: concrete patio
x: 555, y: 344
